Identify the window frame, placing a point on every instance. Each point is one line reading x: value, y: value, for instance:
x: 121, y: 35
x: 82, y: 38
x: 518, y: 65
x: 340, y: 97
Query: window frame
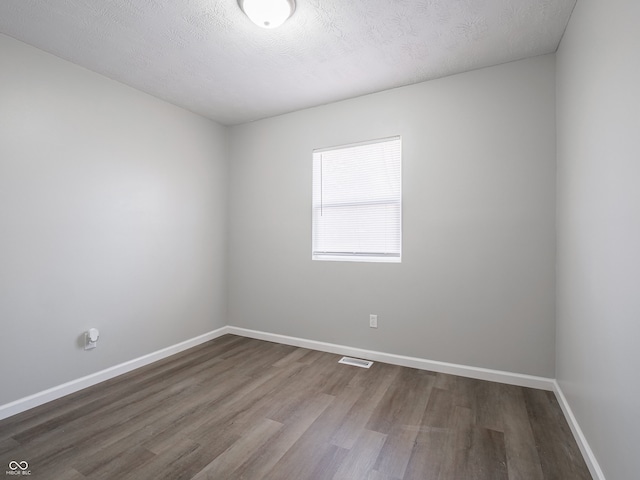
x: 369, y: 257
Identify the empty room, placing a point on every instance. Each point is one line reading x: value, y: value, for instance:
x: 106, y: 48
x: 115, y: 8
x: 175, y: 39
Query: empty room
x: 320, y: 239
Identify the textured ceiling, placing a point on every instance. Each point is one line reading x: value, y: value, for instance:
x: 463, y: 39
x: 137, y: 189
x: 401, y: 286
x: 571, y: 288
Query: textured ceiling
x: 206, y: 56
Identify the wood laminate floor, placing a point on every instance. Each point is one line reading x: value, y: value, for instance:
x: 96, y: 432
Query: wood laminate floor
x: 237, y: 408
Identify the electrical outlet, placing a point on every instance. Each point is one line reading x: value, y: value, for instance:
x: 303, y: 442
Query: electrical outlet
x: 373, y: 321
x: 88, y: 344
x: 91, y: 338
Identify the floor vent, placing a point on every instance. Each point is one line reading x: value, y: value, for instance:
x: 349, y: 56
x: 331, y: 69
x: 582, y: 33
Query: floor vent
x: 356, y: 362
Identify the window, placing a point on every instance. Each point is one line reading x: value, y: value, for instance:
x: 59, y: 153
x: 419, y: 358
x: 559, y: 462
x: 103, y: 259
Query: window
x: 357, y: 202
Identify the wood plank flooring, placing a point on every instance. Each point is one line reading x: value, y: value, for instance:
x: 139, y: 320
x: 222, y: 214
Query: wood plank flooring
x: 238, y: 408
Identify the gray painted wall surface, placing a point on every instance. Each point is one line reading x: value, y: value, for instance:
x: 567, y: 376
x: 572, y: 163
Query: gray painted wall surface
x: 598, y: 317
x: 112, y: 215
x: 476, y: 284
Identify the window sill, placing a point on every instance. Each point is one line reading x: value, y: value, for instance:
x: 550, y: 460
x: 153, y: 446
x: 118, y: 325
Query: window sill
x: 356, y: 258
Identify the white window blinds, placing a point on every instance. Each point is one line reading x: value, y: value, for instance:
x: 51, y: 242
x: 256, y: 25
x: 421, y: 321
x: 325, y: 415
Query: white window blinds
x: 357, y: 202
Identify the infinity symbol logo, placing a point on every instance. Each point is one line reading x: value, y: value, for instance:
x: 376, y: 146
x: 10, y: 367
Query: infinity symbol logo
x: 23, y: 465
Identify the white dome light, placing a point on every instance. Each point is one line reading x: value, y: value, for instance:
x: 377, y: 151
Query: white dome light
x: 268, y: 13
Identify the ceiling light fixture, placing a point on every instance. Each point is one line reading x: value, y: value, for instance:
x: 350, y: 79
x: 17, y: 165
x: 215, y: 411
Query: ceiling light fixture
x: 268, y: 13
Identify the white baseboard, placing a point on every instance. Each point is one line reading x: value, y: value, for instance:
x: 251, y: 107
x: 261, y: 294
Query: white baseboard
x: 59, y: 391
x: 518, y: 379
x: 581, y: 440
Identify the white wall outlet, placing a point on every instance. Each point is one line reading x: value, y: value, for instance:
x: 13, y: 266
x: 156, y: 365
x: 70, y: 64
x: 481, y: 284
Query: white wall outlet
x: 88, y: 344
x: 373, y: 321
x: 91, y: 338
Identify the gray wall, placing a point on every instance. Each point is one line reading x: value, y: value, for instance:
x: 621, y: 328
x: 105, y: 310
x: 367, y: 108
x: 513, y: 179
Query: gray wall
x: 598, y: 318
x: 476, y: 283
x: 112, y: 215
